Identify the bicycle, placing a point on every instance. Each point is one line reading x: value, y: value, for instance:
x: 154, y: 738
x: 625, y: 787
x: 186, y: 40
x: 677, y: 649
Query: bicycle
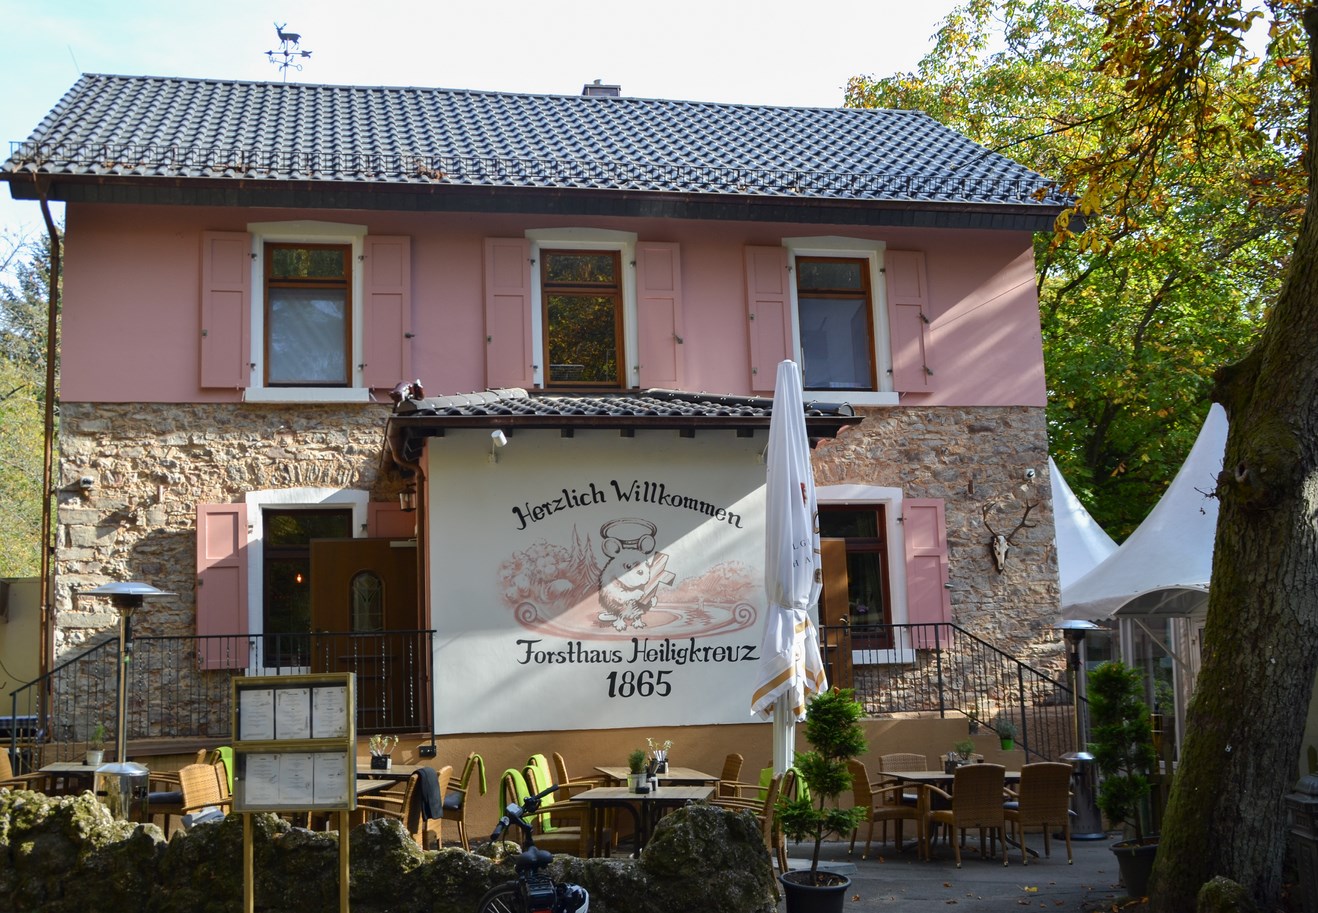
x: 532, y: 891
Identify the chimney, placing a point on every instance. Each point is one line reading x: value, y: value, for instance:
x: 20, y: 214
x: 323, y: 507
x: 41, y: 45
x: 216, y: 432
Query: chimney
x: 597, y: 89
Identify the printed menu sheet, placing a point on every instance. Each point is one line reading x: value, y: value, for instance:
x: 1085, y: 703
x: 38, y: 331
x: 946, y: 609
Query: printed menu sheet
x: 256, y: 715
x: 329, y: 713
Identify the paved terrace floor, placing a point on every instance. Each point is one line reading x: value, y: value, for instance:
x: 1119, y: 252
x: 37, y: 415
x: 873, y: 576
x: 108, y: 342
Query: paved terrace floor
x: 902, y: 882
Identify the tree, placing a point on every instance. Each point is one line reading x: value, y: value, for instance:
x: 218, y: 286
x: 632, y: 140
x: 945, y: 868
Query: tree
x: 1180, y: 248
x: 24, y: 285
x: 1179, y: 78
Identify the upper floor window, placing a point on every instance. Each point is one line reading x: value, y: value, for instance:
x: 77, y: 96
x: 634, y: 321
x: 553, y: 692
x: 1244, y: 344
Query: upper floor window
x: 308, y: 315
x: 582, y: 302
x: 836, y: 323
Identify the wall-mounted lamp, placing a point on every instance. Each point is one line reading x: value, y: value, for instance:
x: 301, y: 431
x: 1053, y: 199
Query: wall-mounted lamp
x: 407, y: 498
x: 497, y: 439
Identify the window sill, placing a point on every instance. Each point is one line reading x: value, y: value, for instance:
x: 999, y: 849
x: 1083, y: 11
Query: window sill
x: 307, y: 395
x: 854, y: 397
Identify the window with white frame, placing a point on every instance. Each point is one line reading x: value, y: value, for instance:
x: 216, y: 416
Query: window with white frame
x: 584, y: 322
x: 841, y: 336
x: 307, y: 339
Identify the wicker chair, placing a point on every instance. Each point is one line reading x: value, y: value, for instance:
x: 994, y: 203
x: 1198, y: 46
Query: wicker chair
x: 1043, y: 800
x: 728, y: 783
x: 975, y: 802
x: 10, y: 780
x: 764, y: 812
x: 406, y: 807
x: 569, y: 785
x: 882, y: 801
x: 455, y: 798
x: 202, y: 789
x: 575, y: 840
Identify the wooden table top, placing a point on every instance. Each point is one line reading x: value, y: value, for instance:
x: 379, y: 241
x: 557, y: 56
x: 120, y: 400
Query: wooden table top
x: 664, y: 794
x: 674, y: 775
x: 934, y: 776
x: 394, y: 773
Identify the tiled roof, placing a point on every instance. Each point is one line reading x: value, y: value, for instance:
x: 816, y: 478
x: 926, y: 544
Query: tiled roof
x: 145, y: 128
x: 417, y: 418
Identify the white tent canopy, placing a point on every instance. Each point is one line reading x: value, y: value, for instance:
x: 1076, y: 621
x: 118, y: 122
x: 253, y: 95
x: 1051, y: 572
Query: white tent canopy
x: 1165, y: 565
x: 1081, y: 543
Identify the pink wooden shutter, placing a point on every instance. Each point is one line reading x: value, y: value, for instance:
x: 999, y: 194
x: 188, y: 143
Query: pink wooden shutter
x: 388, y: 520
x: 226, y: 294
x: 659, y: 315
x: 222, y: 585
x: 925, y: 531
x: 387, y: 311
x: 909, y: 319
x: 769, y: 308
x: 509, y: 361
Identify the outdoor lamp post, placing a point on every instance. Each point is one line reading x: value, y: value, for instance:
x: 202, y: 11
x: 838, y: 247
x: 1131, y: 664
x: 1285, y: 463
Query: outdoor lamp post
x: 123, y: 774
x: 1088, y: 823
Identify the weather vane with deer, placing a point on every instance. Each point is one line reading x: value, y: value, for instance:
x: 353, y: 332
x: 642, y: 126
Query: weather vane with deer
x: 289, y: 52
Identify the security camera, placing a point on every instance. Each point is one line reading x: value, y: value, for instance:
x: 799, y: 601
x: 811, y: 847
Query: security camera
x: 500, y: 439
x: 86, y: 483
x: 1029, y: 474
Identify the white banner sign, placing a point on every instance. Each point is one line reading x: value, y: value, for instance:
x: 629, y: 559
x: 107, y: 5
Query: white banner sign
x: 595, y: 581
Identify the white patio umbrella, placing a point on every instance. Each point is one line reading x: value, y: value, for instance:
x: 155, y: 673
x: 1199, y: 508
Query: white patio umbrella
x: 790, y: 667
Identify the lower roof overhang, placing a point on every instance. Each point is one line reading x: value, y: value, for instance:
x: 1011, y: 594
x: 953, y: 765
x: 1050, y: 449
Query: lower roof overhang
x: 415, y: 420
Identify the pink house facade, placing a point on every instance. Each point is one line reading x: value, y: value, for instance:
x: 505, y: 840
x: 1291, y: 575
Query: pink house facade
x: 582, y: 302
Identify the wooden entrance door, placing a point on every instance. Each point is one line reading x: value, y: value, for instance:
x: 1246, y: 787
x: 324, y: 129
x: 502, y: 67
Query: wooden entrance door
x: 366, y: 618
x: 835, y: 612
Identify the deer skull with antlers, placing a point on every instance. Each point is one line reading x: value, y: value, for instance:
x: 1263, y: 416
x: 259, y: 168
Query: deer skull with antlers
x: 1000, y: 543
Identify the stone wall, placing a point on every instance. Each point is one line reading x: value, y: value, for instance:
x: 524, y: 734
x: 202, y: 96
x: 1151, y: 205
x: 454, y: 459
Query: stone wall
x: 151, y: 465
x: 971, y: 457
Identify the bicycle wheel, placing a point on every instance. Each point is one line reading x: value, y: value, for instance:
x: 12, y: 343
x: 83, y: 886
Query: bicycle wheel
x: 504, y: 898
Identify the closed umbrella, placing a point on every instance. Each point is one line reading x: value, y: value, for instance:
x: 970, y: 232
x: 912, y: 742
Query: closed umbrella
x: 790, y: 665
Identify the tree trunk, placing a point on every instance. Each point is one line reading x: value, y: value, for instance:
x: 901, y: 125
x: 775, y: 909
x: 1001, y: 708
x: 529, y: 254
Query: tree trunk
x: 1245, y: 723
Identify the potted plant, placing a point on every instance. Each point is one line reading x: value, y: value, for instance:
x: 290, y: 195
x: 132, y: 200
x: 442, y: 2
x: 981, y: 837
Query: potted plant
x: 833, y: 729
x: 381, y: 747
x: 660, y: 754
x: 1006, y: 731
x: 96, y: 746
x: 1121, y: 738
x: 636, y: 770
x: 960, y: 754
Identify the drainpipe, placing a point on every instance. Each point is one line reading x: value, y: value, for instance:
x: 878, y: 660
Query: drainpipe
x: 396, y: 447
x: 46, y: 627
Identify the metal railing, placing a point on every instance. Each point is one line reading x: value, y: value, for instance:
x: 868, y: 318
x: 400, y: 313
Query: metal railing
x: 180, y: 687
x: 944, y: 670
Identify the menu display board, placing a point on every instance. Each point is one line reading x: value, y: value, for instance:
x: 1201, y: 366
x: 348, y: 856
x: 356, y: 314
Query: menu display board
x: 295, y: 743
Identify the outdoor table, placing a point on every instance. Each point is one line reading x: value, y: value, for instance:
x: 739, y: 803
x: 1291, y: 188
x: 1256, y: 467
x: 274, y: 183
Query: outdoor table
x: 645, y: 808
x: 70, y: 776
x: 395, y: 774
x: 676, y: 776
x: 943, y: 780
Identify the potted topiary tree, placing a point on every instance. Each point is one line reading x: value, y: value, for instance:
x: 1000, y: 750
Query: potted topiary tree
x: 1121, y: 738
x: 833, y: 729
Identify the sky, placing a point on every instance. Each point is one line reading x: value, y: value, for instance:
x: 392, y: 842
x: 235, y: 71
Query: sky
x: 772, y: 52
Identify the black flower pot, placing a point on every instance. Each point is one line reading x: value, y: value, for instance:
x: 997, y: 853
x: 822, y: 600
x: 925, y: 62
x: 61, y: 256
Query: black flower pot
x: 381, y: 762
x: 1135, y: 862
x: 804, y: 897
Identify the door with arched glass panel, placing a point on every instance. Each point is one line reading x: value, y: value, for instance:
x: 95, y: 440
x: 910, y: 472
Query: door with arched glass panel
x: 365, y: 618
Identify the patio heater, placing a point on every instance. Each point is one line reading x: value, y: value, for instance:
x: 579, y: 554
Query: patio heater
x: 124, y: 779
x: 1088, y: 823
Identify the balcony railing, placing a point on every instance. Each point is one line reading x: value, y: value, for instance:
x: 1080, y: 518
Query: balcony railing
x: 179, y: 687
x: 943, y: 670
